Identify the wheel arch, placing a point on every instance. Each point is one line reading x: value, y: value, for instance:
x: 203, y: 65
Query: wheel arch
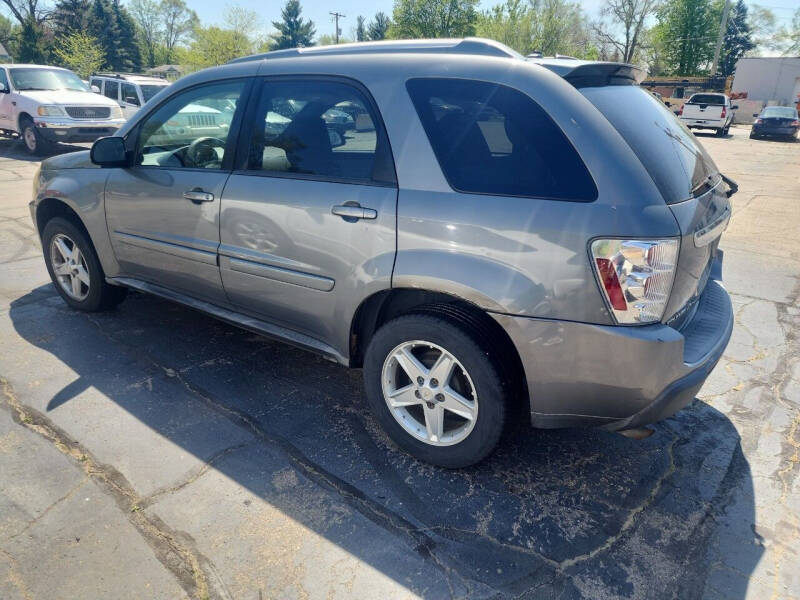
x: 49, y: 208
x: 21, y: 117
x: 381, y: 307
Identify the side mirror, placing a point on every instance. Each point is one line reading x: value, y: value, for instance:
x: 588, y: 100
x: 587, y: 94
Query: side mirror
x: 755, y: 114
x: 667, y: 103
x: 336, y: 138
x: 132, y: 100
x: 95, y: 89
x: 109, y: 152
x: 735, y: 107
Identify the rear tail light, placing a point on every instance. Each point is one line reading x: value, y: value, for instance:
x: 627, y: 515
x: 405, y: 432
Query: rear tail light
x: 724, y: 113
x: 795, y: 123
x: 759, y: 121
x: 636, y: 277
x: 680, y: 110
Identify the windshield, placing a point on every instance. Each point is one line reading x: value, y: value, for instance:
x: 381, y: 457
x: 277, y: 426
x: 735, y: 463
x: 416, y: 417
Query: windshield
x: 784, y: 112
x: 46, y: 79
x: 713, y: 99
x: 148, y: 91
x: 678, y: 164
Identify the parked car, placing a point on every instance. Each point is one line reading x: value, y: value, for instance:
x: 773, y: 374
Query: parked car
x: 130, y: 91
x: 708, y: 111
x: 776, y: 121
x: 43, y: 105
x: 504, y: 241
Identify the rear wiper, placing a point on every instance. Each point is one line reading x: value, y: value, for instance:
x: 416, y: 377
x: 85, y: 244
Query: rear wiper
x: 733, y: 187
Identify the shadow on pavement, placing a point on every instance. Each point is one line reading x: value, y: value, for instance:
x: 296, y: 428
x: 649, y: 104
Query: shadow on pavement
x: 13, y: 148
x: 569, y: 513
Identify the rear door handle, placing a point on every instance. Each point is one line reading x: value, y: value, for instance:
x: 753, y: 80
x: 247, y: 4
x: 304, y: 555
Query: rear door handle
x: 354, y: 211
x: 197, y: 195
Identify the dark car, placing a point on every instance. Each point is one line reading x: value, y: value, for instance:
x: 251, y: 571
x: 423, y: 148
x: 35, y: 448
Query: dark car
x: 779, y: 121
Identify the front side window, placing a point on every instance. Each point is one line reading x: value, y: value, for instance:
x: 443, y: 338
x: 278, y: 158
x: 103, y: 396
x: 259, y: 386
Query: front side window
x: 129, y: 95
x: 191, y: 129
x: 315, y: 127
x: 493, y: 139
x: 111, y: 90
x: 4, y: 79
x: 27, y: 79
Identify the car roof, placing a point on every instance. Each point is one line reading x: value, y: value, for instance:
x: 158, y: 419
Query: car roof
x: 32, y: 66
x: 132, y: 78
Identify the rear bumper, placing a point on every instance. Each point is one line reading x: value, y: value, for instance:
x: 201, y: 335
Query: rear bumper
x: 580, y: 374
x: 704, y: 123
x: 761, y: 130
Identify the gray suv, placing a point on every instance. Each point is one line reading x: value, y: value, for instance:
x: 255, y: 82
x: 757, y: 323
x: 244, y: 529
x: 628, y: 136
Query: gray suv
x: 490, y: 238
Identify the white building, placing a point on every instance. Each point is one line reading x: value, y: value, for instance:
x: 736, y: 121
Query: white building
x: 769, y: 80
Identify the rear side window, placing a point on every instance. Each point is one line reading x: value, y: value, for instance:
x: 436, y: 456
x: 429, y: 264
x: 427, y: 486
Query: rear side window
x: 677, y: 163
x: 712, y: 99
x: 111, y: 89
x: 493, y: 139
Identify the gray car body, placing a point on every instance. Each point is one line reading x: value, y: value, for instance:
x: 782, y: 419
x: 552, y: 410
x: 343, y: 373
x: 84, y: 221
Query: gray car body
x: 522, y: 261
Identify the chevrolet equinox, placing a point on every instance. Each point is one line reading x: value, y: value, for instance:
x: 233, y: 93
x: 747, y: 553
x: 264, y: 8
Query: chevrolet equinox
x: 484, y: 235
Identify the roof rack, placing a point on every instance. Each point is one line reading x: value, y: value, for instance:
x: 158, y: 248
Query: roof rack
x: 121, y: 75
x: 476, y: 46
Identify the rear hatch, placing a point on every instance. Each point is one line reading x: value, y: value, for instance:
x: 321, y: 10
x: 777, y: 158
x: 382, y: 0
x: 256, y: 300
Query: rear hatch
x: 687, y: 178
x: 705, y: 107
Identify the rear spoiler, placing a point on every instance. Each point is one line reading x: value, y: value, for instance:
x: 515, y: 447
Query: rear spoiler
x: 582, y: 73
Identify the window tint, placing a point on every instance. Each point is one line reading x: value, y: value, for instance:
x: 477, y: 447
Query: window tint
x: 315, y: 127
x: 191, y: 129
x: 129, y: 94
x: 111, y: 89
x: 492, y: 139
x: 784, y: 112
x: 713, y: 99
x: 4, y: 78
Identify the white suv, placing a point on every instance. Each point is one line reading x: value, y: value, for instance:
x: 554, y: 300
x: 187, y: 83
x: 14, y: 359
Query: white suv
x: 43, y: 105
x: 129, y: 91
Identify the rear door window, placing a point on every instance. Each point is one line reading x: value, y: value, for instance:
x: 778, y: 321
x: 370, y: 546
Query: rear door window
x: 708, y: 99
x: 111, y: 90
x: 493, y: 139
x: 677, y: 163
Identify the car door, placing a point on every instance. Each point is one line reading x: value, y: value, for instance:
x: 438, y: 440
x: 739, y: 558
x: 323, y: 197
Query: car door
x: 6, y: 106
x: 163, y: 212
x: 129, y: 99
x: 308, y: 218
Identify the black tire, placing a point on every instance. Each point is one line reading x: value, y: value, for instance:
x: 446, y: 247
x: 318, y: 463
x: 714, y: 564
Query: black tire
x: 101, y: 296
x: 32, y: 140
x: 462, y: 341
x: 720, y: 132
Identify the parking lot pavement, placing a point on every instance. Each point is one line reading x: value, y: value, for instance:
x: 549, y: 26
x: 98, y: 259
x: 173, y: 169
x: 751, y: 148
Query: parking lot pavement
x: 215, y: 463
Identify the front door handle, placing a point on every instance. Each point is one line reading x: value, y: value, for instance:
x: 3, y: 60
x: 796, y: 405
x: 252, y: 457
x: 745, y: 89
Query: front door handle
x: 197, y: 195
x: 354, y: 212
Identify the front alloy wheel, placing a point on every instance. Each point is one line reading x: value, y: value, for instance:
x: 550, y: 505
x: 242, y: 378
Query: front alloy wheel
x: 429, y: 393
x: 69, y: 267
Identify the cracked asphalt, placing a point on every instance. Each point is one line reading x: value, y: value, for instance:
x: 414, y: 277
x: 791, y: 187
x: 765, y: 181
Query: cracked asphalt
x: 153, y: 452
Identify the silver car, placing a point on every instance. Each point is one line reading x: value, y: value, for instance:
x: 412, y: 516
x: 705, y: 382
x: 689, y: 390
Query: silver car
x: 490, y: 237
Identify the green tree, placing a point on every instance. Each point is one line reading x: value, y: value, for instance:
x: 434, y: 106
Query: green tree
x: 81, y: 53
x: 149, y: 28
x: 129, y: 55
x: 32, y: 47
x: 328, y: 39
x: 178, y: 23
x: 216, y: 46
x: 789, y: 36
x: 378, y: 27
x: 70, y: 16
x: 293, y: 30
x: 512, y: 23
x: 625, y: 25
x: 361, y: 29
x: 687, y: 33
x: 737, y: 41
x: 102, y: 26
x: 433, y: 18
x: 9, y: 35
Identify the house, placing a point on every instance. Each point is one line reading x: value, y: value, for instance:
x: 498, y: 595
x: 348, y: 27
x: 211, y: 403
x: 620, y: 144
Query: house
x: 769, y: 80
x: 170, y: 72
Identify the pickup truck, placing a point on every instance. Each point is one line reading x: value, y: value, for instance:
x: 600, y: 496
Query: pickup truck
x: 44, y: 105
x: 708, y: 111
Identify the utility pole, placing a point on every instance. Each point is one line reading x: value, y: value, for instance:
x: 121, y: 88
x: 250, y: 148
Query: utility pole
x: 336, y: 17
x: 723, y: 24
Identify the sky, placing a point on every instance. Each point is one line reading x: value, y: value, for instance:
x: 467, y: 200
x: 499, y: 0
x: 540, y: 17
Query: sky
x: 211, y: 11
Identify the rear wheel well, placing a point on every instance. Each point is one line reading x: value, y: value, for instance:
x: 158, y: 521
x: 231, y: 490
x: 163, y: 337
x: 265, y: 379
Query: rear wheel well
x: 387, y: 305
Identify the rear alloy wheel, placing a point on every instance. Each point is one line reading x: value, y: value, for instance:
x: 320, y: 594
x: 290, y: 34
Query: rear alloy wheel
x: 75, y: 269
x: 435, y: 390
